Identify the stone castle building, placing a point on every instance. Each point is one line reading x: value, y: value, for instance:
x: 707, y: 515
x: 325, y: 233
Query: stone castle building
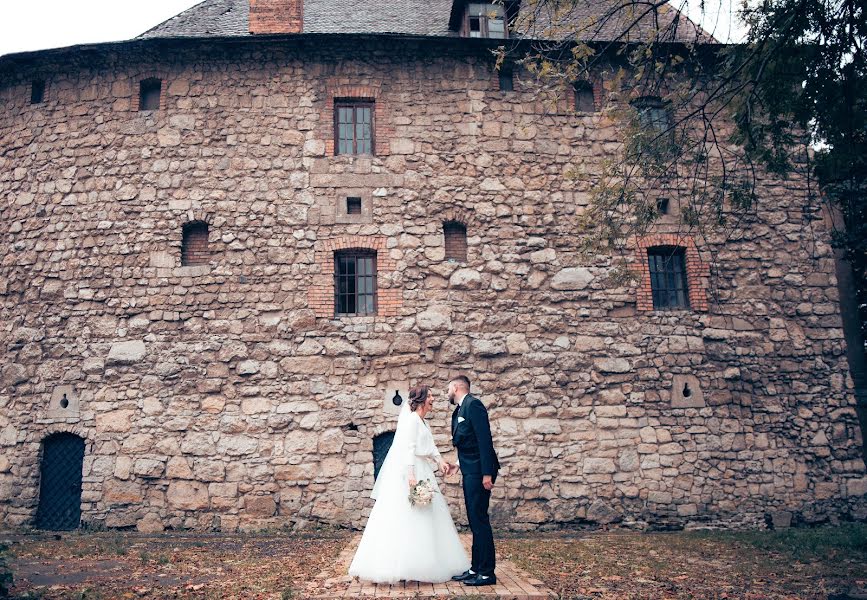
x: 229, y: 246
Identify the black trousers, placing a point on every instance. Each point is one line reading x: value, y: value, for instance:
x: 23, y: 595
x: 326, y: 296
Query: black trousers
x: 477, y: 499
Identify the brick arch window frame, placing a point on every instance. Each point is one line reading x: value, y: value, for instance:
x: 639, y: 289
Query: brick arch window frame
x: 321, y: 293
x: 337, y: 94
x: 455, y: 240
x: 132, y: 94
x: 194, y: 243
x: 697, y: 271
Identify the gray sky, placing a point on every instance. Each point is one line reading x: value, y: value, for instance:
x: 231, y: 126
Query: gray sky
x: 39, y: 24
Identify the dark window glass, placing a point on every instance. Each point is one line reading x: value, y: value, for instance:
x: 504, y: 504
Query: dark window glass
x: 668, y: 277
x: 194, y: 246
x: 355, y: 282
x: 507, y: 81
x: 353, y: 206
x: 149, y: 94
x: 37, y: 91
x: 456, y: 241
x: 486, y: 21
x: 653, y: 115
x: 584, y: 100
x: 662, y: 206
x: 353, y: 127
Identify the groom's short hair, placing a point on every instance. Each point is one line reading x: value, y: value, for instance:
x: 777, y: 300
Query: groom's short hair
x: 465, y: 381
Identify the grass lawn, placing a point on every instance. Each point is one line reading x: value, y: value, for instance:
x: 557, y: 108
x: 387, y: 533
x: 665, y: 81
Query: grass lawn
x: 793, y: 563
x: 577, y: 565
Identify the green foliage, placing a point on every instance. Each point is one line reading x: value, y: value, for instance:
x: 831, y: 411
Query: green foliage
x: 804, y: 545
x: 797, y: 84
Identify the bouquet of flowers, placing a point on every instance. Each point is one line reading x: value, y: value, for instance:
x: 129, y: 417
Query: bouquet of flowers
x: 421, y: 493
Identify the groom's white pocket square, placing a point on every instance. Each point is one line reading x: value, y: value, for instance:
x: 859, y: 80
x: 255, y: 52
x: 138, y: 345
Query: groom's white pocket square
x: 461, y: 419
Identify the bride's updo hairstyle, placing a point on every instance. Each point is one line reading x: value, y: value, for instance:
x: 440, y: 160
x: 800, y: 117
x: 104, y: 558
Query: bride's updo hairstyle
x: 417, y: 396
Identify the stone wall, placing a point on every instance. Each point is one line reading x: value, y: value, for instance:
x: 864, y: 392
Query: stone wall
x: 226, y: 396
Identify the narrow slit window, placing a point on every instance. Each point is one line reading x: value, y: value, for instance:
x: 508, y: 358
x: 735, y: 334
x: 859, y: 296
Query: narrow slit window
x: 149, y: 94
x: 584, y: 99
x: 507, y: 80
x: 668, y: 280
x: 455, y: 235
x: 353, y: 205
x: 355, y: 282
x: 37, y: 91
x: 194, y: 246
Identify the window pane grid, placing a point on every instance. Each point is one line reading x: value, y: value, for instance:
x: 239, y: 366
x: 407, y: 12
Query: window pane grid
x: 668, y: 278
x: 354, y: 128
x: 355, y: 283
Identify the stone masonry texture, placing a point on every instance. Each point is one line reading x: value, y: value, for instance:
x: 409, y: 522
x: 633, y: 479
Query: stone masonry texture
x: 227, y: 395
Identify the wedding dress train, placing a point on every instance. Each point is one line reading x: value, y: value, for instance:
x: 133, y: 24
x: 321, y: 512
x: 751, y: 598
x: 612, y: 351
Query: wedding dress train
x: 401, y: 541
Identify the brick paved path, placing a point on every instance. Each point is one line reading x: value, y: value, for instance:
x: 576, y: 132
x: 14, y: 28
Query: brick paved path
x: 512, y: 584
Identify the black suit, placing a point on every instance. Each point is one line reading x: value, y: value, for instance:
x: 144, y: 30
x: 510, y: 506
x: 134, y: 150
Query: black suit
x: 471, y: 434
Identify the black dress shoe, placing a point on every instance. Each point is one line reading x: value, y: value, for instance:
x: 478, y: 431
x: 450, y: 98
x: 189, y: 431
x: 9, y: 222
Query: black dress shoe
x: 465, y: 575
x: 480, y: 580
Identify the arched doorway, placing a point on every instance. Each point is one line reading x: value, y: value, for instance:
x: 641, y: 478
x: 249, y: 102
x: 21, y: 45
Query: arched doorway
x: 60, y: 482
x: 381, y: 446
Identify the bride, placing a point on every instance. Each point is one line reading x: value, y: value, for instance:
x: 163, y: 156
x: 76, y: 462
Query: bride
x: 402, y: 541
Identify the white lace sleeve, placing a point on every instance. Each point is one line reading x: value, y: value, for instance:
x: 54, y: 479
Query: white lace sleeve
x: 412, y: 440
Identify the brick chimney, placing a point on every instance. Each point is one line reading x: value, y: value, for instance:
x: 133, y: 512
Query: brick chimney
x: 276, y: 16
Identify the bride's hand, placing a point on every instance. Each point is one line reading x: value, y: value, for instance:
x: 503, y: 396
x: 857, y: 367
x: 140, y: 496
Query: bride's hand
x: 445, y: 467
x: 412, y: 482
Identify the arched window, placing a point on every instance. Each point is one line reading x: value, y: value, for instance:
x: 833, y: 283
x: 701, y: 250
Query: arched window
x: 455, y: 235
x: 194, y: 246
x: 355, y: 282
x: 584, y: 100
x: 668, y: 282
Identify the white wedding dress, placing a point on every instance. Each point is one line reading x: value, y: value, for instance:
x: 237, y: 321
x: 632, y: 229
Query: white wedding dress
x: 401, y: 541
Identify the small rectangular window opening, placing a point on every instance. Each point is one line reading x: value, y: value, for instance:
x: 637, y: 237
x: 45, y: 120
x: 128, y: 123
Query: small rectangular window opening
x: 662, y: 206
x: 584, y: 100
x: 507, y: 81
x: 37, y: 91
x: 353, y: 206
x: 149, y: 94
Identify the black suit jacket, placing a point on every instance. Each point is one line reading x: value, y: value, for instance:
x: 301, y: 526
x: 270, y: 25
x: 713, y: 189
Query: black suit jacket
x: 471, y: 435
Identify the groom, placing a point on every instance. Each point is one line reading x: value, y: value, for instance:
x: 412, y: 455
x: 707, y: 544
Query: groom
x: 471, y: 434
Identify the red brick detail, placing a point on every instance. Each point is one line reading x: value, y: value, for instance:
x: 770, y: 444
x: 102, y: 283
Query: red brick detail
x: 320, y: 295
x: 194, y: 247
x: 383, y: 130
x: 697, y: 271
x: 455, y: 235
x: 276, y: 16
x: 136, y: 87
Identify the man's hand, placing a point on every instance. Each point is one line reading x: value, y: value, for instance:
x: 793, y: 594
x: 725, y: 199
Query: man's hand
x: 487, y: 482
x: 445, y: 467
